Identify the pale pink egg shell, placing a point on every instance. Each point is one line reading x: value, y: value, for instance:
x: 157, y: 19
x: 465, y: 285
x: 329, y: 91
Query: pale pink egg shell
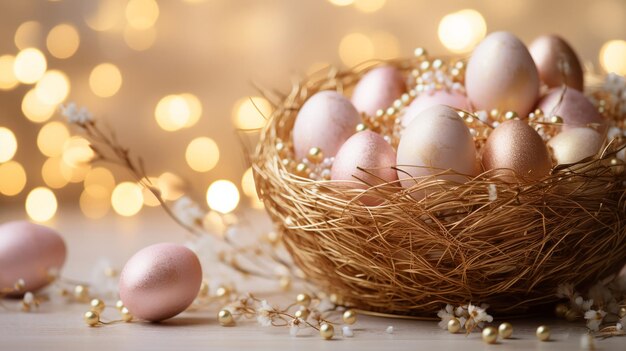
x: 575, y: 109
x: 556, y: 62
x: 575, y: 144
x: 378, y: 89
x: 326, y: 120
x: 370, y: 151
x: 428, y: 99
x: 502, y: 75
x: 30, y: 252
x: 160, y: 281
x: 436, y: 140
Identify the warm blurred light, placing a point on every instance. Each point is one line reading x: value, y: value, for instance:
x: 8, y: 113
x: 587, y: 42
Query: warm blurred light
x: 247, y: 184
x: 99, y: 182
x: 51, y: 139
x: 105, y: 80
x: 251, y: 112
x: 202, y: 154
x: 28, y: 34
x: 149, y: 199
x: 13, y: 178
x: 36, y: 110
x: 386, y: 45
x: 142, y: 14
x: 29, y: 66
x: 460, y: 31
x: 172, y: 113
x: 52, y: 173
x: 53, y: 87
x: 8, y: 144
x: 127, y: 199
x: 76, y: 152
x: 613, y: 56
x: 63, y: 41
x: 341, y: 2
x: 41, y: 204
x: 222, y: 196
x: 195, y: 108
x: 8, y: 80
x: 106, y: 14
x: 355, y: 48
x: 139, y: 39
x: 172, y: 186
x: 194, y: 1
x: 93, y: 204
x: 369, y: 6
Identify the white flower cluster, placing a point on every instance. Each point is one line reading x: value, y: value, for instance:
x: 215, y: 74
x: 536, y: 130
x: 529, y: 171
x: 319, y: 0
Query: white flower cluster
x: 602, y: 302
x: 264, y: 314
x: 76, y: 115
x: 469, y: 316
x: 188, y: 212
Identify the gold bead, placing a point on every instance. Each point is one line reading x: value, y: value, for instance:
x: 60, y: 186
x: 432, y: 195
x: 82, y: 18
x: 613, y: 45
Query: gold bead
x: 225, y: 318
x: 303, y: 299
x: 454, y: 325
x: 302, y: 170
x: 349, y: 317
x: 543, y: 333
x: 380, y: 113
x: 494, y: 113
x: 280, y: 147
x: 19, y: 285
x: 91, y: 318
x: 571, y: 316
x: 97, y: 305
x: 390, y: 111
x: 285, y: 282
x: 560, y: 310
x: 81, y: 292
x: 336, y: 299
x: 622, y: 312
x: 538, y: 112
x: 437, y: 63
x: 110, y: 272
x: 425, y: 65
x: 204, y: 289
x: 420, y: 52
x: 360, y: 127
x: 286, y: 162
x: 556, y: 119
x: 119, y: 305
x: 222, y: 291
x: 327, y: 331
x: 126, y: 315
x: 273, y: 237
x: 459, y: 64
x: 505, y: 330
x: 315, y: 155
x: 490, y: 335
x: 509, y: 115
x: 303, y: 313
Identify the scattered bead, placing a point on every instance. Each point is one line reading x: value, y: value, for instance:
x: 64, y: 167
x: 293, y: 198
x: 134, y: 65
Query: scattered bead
x: 543, y: 333
x: 126, y: 315
x: 303, y: 299
x: 360, y: 127
x: 622, y: 312
x: 97, y: 305
x: 315, y: 155
x: 556, y: 119
x: 119, y: 305
x: 389, y: 329
x: 81, y: 292
x: 347, y: 331
x: 225, y: 318
x: 490, y: 335
x: 204, y: 289
x: 349, y: 317
x: 222, y: 291
x: 454, y: 325
x: 327, y: 331
x: 285, y: 282
x: 19, y: 285
x: 420, y: 52
x: 505, y: 330
x: 302, y: 170
x: 509, y: 115
x: 303, y: 313
x: 91, y: 318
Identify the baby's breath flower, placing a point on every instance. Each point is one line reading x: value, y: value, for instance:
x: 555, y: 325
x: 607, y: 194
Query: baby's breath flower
x: 75, y: 115
x: 594, y: 319
x: 29, y: 298
x: 264, y: 314
x: 188, y: 211
x: 295, y: 325
x: 493, y: 192
x: 446, y: 314
x: 347, y: 331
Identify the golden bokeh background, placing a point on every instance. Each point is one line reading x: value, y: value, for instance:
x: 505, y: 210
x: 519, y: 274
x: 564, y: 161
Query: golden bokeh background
x: 176, y: 78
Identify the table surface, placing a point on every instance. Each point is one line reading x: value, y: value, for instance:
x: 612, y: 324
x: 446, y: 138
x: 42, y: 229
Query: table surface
x: 59, y: 326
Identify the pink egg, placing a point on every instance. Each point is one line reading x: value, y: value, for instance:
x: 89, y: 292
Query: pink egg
x: 30, y: 252
x: 378, y: 89
x: 369, y: 151
x: 575, y: 109
x: 326, y: 120
x: 438, y: 97
x: 557, y: 62
x: 160, y: 281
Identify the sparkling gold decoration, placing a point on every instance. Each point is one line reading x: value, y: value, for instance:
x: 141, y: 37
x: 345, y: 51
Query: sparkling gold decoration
x: 97, y: 305
x: 349, y: 316
x: 361, y: 127
x: 490, y: 335
x: 303, y: 299
x: 509, y: 115
x: 119, y: 305
x: 543, y: 333
x: 222, y: 291
x: 204, y: 289
x: 302, y: 170
x: 126, y: 315
x: 327, y: 331
x: 81, y: 292
x: 315, y: 155
x: 302, y: 312
x: 454, y: 325
x: 91, y: 318
x: 505, y: 330
x: 225, y: 318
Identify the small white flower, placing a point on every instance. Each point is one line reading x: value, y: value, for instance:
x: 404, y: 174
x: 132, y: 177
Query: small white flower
x: 263, y: 314
x: 347, y: 331
x: 493, y: 192
x: 446, y: 314
x: 621, y: 323
x: 389, y: 329
x: 594, y: 319
x: 295, y: 325
x: 76, y: 115
x: 29, y: 298
x: 587, y: 342
x: 188, y: 211
x: 325, y: 305
x: 479, y: 314
x: 586, y: 305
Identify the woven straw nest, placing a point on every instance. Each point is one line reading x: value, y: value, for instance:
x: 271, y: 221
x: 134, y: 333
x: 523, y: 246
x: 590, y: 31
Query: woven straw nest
x: 457, y: 245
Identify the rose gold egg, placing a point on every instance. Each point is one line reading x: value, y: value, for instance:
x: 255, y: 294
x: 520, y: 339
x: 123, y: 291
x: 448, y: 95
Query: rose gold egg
x: 575, y: 144
x: 438, y: 97
x: 30, y: 252
x: 514, y: 146
x: 574, y: 107
x: 326, y: 120
x: 556, y: 62
x: 160, y: 281
x: 436, y: 141
x: 378, y: 89
x: 502, y: 75
x: 369, y: 151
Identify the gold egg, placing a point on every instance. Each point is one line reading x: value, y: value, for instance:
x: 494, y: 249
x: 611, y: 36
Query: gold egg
x: 126, y: 315
x: 303, y: 299
x: 91, y: 318
x: 490, y: 335
x: 349, y: 316
x: 97, y: 305
x: 543, y: 333
x: 327, y: 331
x: 505, y: 330
x: 225, y: 318
x: 303, y: 313
x: 454, y: 325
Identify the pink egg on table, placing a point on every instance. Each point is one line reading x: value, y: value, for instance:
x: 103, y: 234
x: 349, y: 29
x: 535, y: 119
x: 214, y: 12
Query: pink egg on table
x: 378, y: 89
x: 427, y: 99
x: 367, y: 150
x: 160, y: 281
x: 326, y: 120
x: 30, y: 252
x: 575, y: 109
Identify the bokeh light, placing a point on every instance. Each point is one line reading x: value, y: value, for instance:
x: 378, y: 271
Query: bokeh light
x: 8, y: 144
x: 53, y: 173
x: 29, y: 66
x: 76, y: 152
x: 106, y: 14
x: 355, y: 48
x: 202, y: 154
x: 127, y: 199
x: 13, y: 178
x: 172, y: 186
x: 63, y: 41
x: 195, y: 108
x: 369, y: 6
x: 251, y: 112
x: 94, y: 204
x: 53, y: 87
x: 613, y: 56
x: 8, y: 80
x: 149, y: 199
x: 99, y: 182
x: 36, y: 110
x: 52, y: 138
x: 460, y: 31
x: 28, y: 34
x: 41, y: 204
x: 142, y: 14
x: 105, y: 80
x: 222, y: 196
x: 172, y: 113
x: 386, y: 45
x: 249, y: 188
x: 341, y: 2
x: 139, y: 39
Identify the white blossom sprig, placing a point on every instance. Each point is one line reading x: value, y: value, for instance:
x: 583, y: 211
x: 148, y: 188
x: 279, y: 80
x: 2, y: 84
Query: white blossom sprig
x: 469, y: 316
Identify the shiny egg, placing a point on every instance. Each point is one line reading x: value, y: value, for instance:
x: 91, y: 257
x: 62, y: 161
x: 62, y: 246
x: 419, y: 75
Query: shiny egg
x: 574, y: 108
x: 160, y: 281
x: 437, y: 97
x: 326, y: 120
x: 556, y: 62
x: 575, y: 144
x: 378, y: 89
x: 436, y: 142
x: 515, y: 148
x: 502, y: 75
x: 369, y: 151
x: 31, y: 252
